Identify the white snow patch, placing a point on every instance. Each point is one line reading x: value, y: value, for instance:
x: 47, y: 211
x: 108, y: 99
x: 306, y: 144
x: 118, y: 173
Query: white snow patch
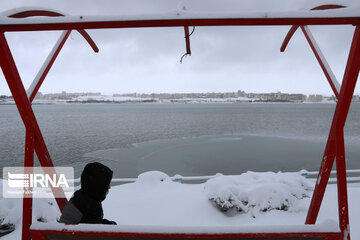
x: 11, y: 209
x: 152, y: 178
x: 326, y: 226
x: 154, y: 203
x: 353, y: 11
x: 181, y: 7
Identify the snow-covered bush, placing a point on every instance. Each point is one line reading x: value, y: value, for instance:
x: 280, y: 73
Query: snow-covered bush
x: 258, y: 191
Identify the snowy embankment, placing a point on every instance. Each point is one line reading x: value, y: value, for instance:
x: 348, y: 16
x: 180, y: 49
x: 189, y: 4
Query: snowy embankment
x: 223, y: 203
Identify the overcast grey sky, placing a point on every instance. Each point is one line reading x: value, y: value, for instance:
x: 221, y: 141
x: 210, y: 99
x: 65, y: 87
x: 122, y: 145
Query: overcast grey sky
x: 147, y: 60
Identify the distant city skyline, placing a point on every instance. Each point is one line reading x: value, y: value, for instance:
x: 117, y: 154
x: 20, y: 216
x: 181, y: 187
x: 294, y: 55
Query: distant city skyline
x: 209, y: 97
x: 232, y: 94
x: 129, y: 93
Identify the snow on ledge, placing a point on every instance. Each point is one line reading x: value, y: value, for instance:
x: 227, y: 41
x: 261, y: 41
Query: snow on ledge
x: 326, y: 226
x: 180, y: 14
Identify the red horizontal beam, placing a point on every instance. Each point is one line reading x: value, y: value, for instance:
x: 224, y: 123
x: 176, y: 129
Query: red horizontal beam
x: 83, y: 24
x: 41, y: 234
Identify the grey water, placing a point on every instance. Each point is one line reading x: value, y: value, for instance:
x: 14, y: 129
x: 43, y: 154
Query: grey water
x: 185, y: 139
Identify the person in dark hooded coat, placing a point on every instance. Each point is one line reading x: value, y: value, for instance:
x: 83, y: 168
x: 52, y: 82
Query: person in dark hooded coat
x: 85, y: 205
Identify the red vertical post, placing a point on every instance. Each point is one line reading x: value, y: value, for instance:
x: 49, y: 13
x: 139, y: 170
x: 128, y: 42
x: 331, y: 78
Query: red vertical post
x: 27, y: 115
x: 336, y: 142
x: 27, y: 198
x: 341, y: 185
x: 322, y: 180
x: 187, y: 40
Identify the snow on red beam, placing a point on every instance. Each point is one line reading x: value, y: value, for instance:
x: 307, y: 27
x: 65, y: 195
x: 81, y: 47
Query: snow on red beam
x: 130, y: 236
x: 179, y: 18
x: 328, y: 226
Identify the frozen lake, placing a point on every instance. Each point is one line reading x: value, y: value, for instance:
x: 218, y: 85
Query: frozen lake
x: 186, y: 139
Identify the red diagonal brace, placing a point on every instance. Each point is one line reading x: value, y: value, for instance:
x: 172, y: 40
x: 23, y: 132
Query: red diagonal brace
x: 335, y: 86
x: 34, y: 87
x: 288, y: 37
x: 24, y: 107
x: 335, y: 143
x: 40, y: 77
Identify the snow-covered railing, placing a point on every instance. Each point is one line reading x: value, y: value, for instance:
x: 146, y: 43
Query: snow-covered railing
x: 179, y: 178
x: 313, y: 174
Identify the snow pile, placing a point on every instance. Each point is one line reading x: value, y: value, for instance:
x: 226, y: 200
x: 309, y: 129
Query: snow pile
x: 155, y: 203
x: 155, y: 194
x: 152, y: 178
x: 258, y: 192
x: 44, y: 210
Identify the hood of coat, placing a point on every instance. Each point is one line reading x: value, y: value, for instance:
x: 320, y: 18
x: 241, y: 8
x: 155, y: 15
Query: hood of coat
x: 95, y: 180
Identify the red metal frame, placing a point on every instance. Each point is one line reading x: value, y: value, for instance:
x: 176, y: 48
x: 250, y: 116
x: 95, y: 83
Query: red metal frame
x: 187, y: 40
x: 334, y: 148
x: 52, y: 57
x: 34, y: 139
x: 102, y: 24
x: 335, y: 145
x: 23, y: 104
x: 27, y: 200
x: 322, y: 61
x: 41, y: 235
x: 47, y: 13
x: 318, y: 54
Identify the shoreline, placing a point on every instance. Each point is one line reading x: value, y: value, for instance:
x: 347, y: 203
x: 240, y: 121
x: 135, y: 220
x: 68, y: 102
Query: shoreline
x: 205, y: 101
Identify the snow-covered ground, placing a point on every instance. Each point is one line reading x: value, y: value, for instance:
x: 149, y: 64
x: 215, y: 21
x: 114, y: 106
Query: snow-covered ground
x: 223, y: 203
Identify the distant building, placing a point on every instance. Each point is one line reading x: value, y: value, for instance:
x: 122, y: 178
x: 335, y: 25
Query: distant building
x: 241, y: 93
x: 315, y: 98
